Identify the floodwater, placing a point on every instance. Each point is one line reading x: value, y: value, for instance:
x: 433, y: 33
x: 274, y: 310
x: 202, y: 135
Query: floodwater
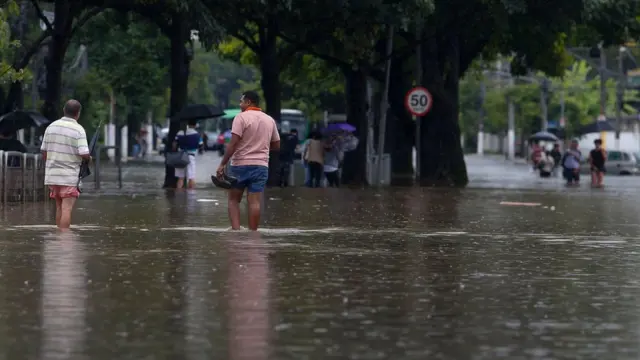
x: 334, y: 274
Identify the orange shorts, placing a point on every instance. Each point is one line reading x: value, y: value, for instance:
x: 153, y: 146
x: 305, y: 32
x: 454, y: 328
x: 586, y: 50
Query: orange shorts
x: 63, y: 192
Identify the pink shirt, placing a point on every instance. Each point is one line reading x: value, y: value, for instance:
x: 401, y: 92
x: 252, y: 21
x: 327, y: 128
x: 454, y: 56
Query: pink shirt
x: 257, y: 131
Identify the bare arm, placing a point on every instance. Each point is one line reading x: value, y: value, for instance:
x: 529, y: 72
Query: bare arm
x: 274, y: 145
x: 44, y: 156
x: 230, y: 150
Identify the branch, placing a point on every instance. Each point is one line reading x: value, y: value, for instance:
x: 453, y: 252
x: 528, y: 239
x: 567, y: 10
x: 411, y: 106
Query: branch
x: 42, y: 16
x: 84, y: 18
x: 309, y: 50
x: 35, y: 46
x: 251, y: 44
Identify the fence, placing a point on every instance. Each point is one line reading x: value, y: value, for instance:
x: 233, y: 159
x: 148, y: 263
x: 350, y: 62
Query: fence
x: 21, y: 177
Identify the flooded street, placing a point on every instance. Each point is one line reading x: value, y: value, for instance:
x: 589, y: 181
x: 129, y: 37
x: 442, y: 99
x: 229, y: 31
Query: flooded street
x: 335, y: 273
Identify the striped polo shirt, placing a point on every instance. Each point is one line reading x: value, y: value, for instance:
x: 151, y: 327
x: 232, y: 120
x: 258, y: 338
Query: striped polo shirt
x: 64, y: 141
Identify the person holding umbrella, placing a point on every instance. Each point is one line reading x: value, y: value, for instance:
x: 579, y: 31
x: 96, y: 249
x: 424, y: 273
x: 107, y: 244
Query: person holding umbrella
x: 8, y: 142
x: 64, y: 148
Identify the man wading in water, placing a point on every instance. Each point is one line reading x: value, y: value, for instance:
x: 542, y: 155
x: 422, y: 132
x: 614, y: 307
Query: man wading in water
x: 64, y: 146
x: 253, y: 135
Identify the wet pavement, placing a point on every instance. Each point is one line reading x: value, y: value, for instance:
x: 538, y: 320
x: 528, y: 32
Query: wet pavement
x: 334, y: 274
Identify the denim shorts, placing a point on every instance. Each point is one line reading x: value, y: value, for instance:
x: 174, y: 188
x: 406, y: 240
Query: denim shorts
x: 252, y: 177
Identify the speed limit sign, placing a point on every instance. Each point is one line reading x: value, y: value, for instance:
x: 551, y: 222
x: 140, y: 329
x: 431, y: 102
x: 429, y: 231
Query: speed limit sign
x: 418, y: 101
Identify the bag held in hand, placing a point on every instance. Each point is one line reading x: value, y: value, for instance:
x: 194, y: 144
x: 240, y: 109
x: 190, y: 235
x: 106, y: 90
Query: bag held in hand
x: 178, y: 160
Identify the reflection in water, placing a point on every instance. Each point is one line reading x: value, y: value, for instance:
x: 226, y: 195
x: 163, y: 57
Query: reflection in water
x: 63, y: 297
x: 249, y: 296
x: 354, y: 274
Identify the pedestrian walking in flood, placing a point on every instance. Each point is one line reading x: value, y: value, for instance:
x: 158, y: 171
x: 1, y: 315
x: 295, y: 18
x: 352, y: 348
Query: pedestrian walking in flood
x: 64, y: 147
x: 571, y: 164
x: 253, y: 135
x: 314, y: 156
x: 597, y: 159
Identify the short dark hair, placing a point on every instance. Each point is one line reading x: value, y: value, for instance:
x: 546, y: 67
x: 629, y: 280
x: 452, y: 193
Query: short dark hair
x: 192, y: 122
x: 72, y: 108
x: 294, y: 130
x: 252, y: 96
x: 597, y: 142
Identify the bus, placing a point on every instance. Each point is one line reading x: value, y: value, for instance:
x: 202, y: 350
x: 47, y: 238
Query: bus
x: 294, y: 119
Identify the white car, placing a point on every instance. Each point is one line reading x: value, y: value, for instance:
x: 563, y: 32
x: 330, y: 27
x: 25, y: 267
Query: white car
x: 619, y: 162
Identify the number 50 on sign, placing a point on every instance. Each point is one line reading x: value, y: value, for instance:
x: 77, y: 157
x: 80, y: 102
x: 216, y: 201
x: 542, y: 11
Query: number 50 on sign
x: 418, y: 101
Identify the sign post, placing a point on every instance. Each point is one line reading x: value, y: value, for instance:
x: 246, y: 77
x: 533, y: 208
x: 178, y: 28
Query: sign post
x: 418, y: 102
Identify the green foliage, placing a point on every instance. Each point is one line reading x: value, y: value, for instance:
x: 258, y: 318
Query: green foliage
x: 127, y: 57
x: 308, y: 83
x: 7, y: 46
x: 581, y: 100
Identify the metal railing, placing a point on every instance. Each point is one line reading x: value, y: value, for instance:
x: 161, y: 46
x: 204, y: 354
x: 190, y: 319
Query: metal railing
x: 21, y: 177
x: 118, y: 161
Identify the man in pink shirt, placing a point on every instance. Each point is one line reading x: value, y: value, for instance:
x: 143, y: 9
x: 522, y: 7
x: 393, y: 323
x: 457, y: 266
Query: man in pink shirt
x: 253, y: 135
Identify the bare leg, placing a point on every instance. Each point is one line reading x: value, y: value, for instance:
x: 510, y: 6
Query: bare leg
x: 58, y: 211
x: 235, y: 196
x: 254, y: 200
x: 191, y: 184
x: 65, y: 216
x: 180, y: 183
x: 600, y: 179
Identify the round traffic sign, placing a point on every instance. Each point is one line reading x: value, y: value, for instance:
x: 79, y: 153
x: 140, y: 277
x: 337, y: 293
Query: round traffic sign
x: 418, y: 101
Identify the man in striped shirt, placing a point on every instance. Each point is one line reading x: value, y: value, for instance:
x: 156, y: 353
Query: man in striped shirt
x: 64, y: 146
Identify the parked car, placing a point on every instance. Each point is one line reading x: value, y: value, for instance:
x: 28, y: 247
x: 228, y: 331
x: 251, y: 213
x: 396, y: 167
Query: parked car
x: 162, y: 140
x: 619, y: 162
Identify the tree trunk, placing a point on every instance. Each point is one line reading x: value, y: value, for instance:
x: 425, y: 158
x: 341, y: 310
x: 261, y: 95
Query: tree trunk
x: 180, y: 61
x: 354, y: 171
x: 442, y: 160
x: 15, y: 98
x: 62, y: 25
x: 401, y: 129
x: 271, y: 87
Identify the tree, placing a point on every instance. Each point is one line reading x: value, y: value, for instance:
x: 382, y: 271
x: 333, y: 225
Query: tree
x: 308, y: 83
x: 141, y: 80
x: 355, y: 43
x: 69, y: 16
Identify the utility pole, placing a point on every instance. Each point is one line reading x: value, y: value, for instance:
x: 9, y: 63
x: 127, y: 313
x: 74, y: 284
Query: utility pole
x: 481, y: 113
x: 384, y: 106
x: 418, y: 136
x: 511, y: 123
x: 622, y: 84
x: 544, y: 95
x: 603, y: 83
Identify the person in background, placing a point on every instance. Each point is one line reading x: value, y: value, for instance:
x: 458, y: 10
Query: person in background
x: 332, y: 165
x: 571, y: 164
x: 314, y: 156
x: 64, y: 147
x: 536, y: 154
x: 597, y: 159
x: 253, y: 135
x: 141, y: 142
x: 556, y: 155
x: 188, y: 140
x: 8, y: 142
x: 287, y: 155
x: 307, y: 173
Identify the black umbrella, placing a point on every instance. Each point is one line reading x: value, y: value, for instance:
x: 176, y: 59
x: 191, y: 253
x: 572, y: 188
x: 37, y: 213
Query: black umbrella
x: 85, y: 171
x: 197, y: 112
x: 596, y: 127
x: 543, y: 136
x: 18, y: 120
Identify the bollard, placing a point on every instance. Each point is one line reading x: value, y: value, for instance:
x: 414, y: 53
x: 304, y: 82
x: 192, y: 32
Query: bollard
x: 29, y: 189
x: 13, y: 176
x: 1, y: 176
x: 40, y: 190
